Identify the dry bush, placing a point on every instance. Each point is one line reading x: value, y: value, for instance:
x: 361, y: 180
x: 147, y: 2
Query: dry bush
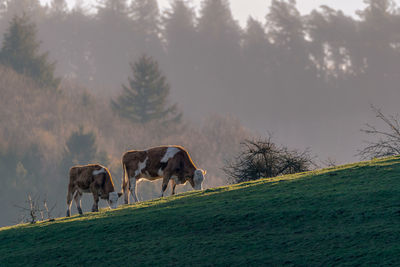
x: 263, y: 158
x: 386, y: 138
x: 35, y: 209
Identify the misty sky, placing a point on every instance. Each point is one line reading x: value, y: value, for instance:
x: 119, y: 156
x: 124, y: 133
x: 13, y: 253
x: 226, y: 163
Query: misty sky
x: 257, y: 8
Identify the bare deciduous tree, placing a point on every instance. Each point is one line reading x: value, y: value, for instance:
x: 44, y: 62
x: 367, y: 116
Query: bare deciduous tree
x: 388, y: 140
x: 33, y: 210
x: 329, y: 162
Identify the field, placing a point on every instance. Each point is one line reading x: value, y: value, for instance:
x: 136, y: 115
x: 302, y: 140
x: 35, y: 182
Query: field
x: 345, y: 215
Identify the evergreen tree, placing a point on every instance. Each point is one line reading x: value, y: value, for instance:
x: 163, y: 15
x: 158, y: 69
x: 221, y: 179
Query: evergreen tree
x: 18, y: 7
x: 112, y: 42
x: 118, y: 6
x: 180, y: 32
x: 32, y: 8
x: 3, y: 15
x: 286, y: 29
x: 380, y: 22
x: 145, y: 98
x: 20, y: 51
x: 258, y: 65
x: 219, y: 33
x: 147, y: 27
x: 81, y: 148
x: 295, y: 73
x: 218, y: 57
x: 333, y: 44
x: 181, y: 46
x: 59, y: 7
x: 257, y: 49
x: 146, y: 15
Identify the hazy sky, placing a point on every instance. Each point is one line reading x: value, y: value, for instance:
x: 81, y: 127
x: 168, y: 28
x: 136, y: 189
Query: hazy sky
x: 258, y: 8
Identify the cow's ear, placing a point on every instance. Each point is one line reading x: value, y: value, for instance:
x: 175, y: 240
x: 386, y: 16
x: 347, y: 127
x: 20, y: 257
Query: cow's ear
x: 119, y: 194
x: 204, y: 172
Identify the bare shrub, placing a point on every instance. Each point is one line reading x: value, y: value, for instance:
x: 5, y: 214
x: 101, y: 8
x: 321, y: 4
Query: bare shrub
x: 264, y: 159
x: 33, y: 211
x: 387, y: 141
x: 329, y: 162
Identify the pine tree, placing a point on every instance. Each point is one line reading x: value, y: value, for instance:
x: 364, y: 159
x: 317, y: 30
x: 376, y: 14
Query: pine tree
x: 180, y: 33
x: 81, y: 148
x: 112, y: 41
x: 146, y: 19
x: 59, y: 7
x: 20, y: 51
x: 145, y: 98
x: 218, y: 45
x: 146, y: 15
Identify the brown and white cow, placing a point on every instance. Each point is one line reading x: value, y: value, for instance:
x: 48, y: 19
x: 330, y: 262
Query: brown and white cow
x: 92, y: 178
x: 169, y: 162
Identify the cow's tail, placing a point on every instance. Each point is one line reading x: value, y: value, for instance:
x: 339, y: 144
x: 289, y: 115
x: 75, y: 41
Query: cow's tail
x: 125, y: 181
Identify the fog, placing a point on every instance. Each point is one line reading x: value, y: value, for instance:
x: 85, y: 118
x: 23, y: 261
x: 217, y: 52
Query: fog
x: 308, y: 79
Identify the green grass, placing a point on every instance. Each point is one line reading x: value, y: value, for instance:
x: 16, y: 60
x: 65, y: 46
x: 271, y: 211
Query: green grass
x: 346, y: 215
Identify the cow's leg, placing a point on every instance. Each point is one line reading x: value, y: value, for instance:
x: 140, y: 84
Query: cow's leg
x: 125, y: 189
x: 95, y: 193
x: 165, y: 183
x: 132, y: 188
x: 70, y: 195
x: 173, y: 185
x: 95, y: 206
x: 77, y: 199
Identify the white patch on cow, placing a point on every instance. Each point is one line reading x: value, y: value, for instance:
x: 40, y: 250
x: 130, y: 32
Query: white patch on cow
x: 113, y: 199
x: 96, y: 172
x: 170, y: 153
x: 141, y: 166
x: 160, y: 173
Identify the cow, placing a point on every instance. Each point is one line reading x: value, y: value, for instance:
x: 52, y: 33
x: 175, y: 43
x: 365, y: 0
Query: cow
x: 167, y: 162
x: 92, y: 178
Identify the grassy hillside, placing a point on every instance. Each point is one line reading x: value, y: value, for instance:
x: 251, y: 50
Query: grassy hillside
x: 343, y: 215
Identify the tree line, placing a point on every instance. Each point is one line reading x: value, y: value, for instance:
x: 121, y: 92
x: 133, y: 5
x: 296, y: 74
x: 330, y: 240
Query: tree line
x: 323, y: 49
x: 289, y: 63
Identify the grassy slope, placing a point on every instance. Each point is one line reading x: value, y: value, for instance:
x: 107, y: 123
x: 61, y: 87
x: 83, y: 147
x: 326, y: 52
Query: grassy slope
x: 344, y: 215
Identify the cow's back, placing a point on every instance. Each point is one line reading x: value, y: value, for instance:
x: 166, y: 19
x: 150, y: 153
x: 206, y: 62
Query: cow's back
x: 82, y: 176
x: 133, y: 156
x: 152, y: 162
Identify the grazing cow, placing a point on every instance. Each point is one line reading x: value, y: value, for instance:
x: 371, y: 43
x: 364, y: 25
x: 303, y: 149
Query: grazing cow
x: 95, y: 179
x: 169, y: 162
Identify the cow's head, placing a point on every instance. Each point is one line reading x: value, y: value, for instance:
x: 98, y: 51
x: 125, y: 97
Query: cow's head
x: 198, y: 179
x: 113, y: 199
